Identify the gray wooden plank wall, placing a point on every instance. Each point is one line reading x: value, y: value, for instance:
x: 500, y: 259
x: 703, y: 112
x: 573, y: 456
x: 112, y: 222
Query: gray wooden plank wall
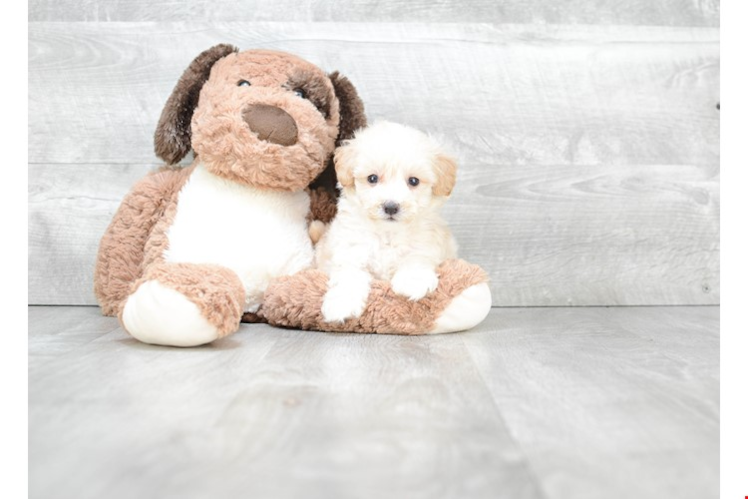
x: 628, y: 12
x: 588, y: 137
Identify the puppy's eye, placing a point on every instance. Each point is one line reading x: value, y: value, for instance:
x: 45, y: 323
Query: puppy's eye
x: 373, y: 179
x: 300, y: 93
x: 413, y: 181
x: 243, y: 83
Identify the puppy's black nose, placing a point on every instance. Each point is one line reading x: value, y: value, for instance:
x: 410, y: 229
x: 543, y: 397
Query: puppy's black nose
x: 390, y: 207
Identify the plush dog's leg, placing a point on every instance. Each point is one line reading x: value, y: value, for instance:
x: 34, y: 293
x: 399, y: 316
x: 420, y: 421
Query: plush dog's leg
x: 466, y: 310
x: 461, y: 301
x: 183, y: 304
x: 119, y: 262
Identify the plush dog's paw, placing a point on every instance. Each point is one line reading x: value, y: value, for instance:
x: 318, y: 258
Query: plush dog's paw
x: 156, y: 314
x: 465, y: 311
x: 414, y: 283
x: 341, y: 303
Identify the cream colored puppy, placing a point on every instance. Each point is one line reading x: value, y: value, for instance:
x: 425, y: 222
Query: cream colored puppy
x: 393, y: 179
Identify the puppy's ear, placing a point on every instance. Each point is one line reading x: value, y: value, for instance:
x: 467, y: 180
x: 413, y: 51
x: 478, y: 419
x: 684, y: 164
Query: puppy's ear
x: 445, y: 168
x: 344, y: 166
x: 352, y: 116
x: 172, y: 140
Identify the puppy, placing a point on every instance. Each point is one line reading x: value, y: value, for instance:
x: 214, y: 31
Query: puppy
x: 393, y: 180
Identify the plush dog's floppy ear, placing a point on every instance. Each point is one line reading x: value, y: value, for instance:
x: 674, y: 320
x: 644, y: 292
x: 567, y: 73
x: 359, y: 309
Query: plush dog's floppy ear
x: 445, y: 168
x: 352, y: 117
x: 173, y: 133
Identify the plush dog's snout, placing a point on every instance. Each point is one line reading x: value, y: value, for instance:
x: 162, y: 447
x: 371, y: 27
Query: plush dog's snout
x: 271, y: 124
x: 390, y: 207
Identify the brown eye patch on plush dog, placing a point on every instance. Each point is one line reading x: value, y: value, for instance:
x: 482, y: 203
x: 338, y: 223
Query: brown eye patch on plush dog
x: 313, y: 88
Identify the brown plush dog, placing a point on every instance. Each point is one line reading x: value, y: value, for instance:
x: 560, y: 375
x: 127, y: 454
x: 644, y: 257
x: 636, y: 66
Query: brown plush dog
x: 192, y: 250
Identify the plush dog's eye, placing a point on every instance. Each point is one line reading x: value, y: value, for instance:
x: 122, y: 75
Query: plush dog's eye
x: 413, y: 181
x: 300, y: 93
x: 243, y: 83
x: 373, y: 179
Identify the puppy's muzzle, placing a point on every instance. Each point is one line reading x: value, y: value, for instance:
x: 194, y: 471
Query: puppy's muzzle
x: 271, y: 124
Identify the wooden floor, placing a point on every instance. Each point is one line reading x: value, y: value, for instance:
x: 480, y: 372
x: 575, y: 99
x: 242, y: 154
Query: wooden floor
x: 535, y: 402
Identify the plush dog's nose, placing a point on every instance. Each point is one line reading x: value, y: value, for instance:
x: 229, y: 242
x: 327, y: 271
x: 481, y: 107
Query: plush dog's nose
x: 271, y: 124
x: 390, y: 207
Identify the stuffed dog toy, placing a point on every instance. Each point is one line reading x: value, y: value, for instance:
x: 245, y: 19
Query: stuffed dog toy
x: 192, y: 251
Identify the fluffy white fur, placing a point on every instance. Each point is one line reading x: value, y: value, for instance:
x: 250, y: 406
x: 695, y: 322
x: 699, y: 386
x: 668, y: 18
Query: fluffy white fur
x: 257, y: 233
x: 365, y: 242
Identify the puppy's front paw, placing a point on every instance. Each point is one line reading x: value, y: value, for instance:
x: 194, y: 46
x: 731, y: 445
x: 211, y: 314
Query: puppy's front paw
x: 414, y: 283
x: 342, y: 303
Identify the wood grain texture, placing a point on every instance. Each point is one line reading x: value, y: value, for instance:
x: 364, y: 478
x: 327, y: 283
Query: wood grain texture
x: 266, y: 413
x: 589, y: 155
x: 515, y: 94
x: 599, y: 235
x: 568, y: 235
x: 60, y: 330
x: 603, y: 398
x: 632, y: 12
x: 535, y: 402
x: 70, y: 207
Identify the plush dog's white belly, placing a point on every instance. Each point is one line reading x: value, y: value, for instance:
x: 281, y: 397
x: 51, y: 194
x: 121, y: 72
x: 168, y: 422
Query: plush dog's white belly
x: 259, y: 234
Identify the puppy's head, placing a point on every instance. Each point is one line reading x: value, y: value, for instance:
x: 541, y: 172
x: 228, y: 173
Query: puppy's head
x: 259, y: 117
x: 393, y: 172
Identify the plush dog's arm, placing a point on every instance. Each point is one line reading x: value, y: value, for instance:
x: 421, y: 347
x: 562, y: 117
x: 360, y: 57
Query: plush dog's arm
x: 461, y: 301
